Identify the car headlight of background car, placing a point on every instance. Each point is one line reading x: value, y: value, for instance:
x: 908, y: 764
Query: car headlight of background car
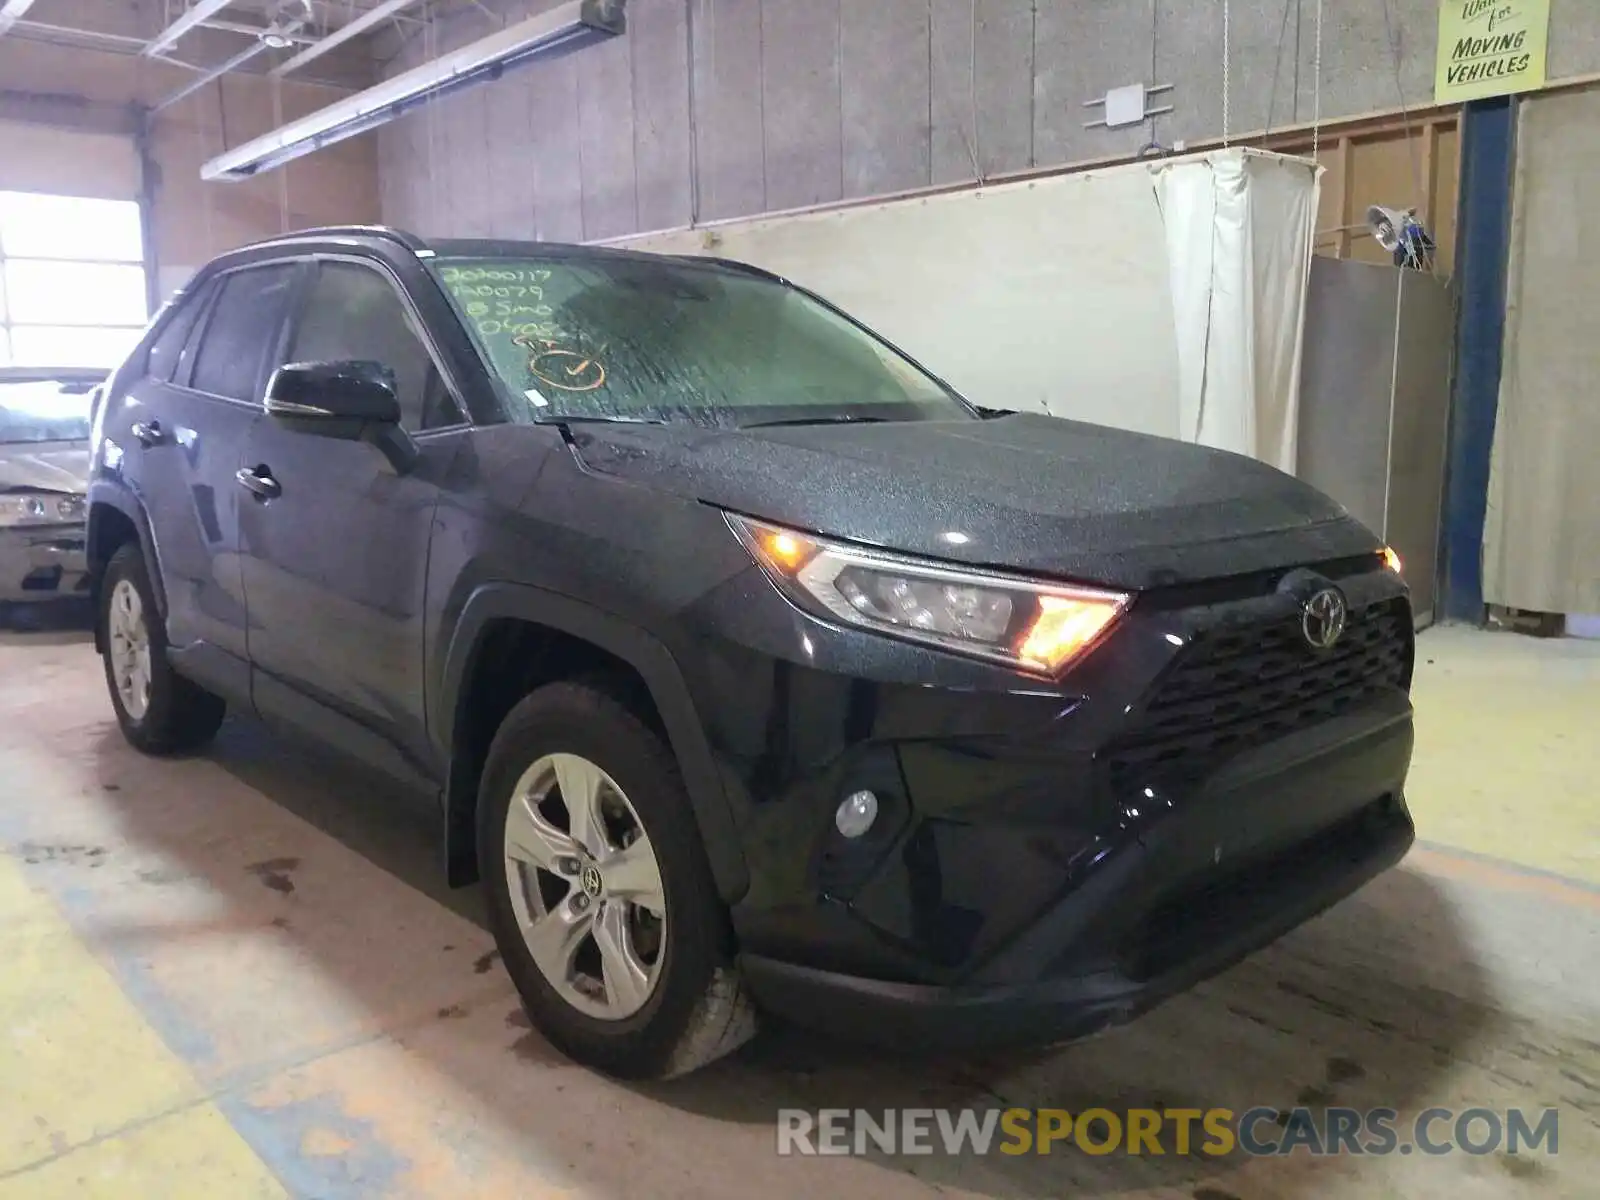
x: 1029, y: 624
x: 39, y: 508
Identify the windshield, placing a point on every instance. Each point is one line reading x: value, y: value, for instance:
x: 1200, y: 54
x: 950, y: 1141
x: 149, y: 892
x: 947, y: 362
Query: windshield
x: 45, y: 410
x: 640, y: 339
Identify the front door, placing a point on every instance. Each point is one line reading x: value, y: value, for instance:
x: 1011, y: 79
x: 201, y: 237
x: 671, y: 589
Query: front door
x: 335, y: 562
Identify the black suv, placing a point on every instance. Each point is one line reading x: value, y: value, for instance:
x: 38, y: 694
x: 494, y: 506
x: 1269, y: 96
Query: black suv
x: 749, y: 666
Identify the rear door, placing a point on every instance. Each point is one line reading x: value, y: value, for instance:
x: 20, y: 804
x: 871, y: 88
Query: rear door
x: 182, y: 438
x: 335, y: 563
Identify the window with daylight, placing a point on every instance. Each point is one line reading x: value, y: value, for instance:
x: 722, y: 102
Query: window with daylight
x: 72, y: 282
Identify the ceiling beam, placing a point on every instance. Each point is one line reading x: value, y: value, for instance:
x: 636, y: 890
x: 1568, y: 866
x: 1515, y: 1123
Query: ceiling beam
x: 209, y: 75
x: 11, y: 12
x: 343, y: 34
x: 63, y: 35
x: 202, y: 10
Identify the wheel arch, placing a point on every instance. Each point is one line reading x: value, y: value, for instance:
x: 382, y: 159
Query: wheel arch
x: 489, y: 608
x: 116, y: 517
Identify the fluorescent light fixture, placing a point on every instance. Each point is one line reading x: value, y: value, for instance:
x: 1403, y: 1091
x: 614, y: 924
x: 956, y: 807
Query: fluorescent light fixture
x: 562, y: 30
x: 11, y: 12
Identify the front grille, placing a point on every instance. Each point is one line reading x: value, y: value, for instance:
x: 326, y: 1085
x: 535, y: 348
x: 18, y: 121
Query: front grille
x: 1236, y: 688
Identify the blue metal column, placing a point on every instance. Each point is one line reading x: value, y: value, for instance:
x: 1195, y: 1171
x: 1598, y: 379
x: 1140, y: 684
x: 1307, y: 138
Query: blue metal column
x: 1483, y: 246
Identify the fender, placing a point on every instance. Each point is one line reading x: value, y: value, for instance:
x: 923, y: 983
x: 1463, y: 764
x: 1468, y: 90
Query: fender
x: 655, y: 665
x: 112, y: 494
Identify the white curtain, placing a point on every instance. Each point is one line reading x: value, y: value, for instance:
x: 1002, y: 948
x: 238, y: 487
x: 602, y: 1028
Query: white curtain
x: 1239, y: 226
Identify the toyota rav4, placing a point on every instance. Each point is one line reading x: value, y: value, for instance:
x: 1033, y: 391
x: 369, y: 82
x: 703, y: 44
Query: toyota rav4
x: 751, y: 668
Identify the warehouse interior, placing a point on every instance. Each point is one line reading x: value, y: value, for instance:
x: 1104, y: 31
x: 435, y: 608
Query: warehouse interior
x: 242, y: 972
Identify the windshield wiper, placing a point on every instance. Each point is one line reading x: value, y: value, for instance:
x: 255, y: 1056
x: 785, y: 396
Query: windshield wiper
x: 598, y: 419
x: 832, y: 419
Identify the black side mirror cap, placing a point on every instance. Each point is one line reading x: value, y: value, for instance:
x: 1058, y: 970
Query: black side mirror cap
x: 355, y: 401
x: 353, y: 391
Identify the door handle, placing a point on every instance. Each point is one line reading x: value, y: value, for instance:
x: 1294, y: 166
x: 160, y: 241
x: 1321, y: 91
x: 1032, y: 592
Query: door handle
x: 148, y: 433
x: 260, y: 481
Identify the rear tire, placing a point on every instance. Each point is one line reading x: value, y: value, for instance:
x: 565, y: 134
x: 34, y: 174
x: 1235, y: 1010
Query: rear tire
x: 668, y: 1002
x: 160, y: 711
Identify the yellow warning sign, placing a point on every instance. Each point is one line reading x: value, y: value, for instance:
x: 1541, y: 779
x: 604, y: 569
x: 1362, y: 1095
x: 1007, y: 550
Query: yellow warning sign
x: 1490, y: 48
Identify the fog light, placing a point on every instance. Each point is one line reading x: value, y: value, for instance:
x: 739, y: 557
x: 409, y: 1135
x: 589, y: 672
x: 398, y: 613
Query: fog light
x: 856, y: 814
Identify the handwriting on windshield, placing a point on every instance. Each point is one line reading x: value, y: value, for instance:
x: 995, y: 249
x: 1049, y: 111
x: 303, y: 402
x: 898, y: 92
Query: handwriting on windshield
x: 568, y: 370
x: 518, y: 320
x: 493, y: 275
x: 503, y: 300
x: 561, y: 367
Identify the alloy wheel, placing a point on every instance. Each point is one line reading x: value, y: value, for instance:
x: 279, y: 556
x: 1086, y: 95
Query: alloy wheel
x: 129, y: 637
x: 585, y: 887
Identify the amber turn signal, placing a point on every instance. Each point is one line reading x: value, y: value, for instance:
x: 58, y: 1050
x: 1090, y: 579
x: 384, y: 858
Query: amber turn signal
x: 1066, y: 627
x: 786, y: 550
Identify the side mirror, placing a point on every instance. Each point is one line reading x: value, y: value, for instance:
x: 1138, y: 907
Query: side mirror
x: 353, y: 401
x: 353, y: 392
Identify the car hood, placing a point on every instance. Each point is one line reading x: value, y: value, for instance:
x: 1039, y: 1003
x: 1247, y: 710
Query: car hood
x: 1023, y: 492
x: 44, y: 466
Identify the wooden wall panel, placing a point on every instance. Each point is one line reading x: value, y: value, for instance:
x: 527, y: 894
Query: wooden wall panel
x: 1383, y: 162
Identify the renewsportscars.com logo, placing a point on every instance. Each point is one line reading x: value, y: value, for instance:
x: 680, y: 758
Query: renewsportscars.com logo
x: 1218, y: 1132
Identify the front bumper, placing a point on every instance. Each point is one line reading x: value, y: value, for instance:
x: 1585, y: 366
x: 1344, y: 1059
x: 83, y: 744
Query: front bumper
x: 1155, y: 919
x: 46, y: 562
x: 1050, y: 859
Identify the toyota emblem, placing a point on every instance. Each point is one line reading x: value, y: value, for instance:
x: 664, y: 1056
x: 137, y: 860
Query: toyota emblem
x: 1323, y: 618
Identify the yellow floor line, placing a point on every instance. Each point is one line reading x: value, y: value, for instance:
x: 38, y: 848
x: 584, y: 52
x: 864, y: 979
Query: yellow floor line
x: 1471, y: 866
x: 93, y: 1103
x: 1506, y: 753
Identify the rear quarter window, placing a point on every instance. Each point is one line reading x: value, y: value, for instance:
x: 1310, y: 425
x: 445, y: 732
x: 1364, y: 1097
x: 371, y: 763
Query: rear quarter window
x: 161, y: 360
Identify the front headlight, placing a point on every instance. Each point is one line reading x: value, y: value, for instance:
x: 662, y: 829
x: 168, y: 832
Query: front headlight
x: 1032, y: 625
x: 19, y: 509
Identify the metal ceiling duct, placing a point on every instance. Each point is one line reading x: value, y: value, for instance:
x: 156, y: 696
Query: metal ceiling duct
x: 562, y: 30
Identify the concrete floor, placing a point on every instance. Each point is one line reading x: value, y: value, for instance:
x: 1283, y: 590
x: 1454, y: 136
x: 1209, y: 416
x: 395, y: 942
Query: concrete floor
x: 237, y: 976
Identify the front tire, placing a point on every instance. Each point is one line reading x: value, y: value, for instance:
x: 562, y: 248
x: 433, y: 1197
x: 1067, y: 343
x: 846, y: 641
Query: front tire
x: 160, y: 711
x: 599, y: 894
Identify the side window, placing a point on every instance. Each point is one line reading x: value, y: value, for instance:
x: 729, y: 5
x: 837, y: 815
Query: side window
x: 353, y: 313
x: 244, y: 320
x: 162, y: 358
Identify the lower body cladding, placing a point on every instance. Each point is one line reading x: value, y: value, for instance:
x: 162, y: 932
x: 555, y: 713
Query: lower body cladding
x: 1210, y: 782
x: 43, y: 563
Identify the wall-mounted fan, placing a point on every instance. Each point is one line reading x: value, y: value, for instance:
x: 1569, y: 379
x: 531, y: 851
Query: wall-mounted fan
x: 1402, y: 235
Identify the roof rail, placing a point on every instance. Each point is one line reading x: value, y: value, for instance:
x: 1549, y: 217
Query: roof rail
x: 407, y: 239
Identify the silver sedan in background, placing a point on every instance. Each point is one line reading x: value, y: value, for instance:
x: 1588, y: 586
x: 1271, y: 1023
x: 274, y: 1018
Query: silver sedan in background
x: 45, y: 416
